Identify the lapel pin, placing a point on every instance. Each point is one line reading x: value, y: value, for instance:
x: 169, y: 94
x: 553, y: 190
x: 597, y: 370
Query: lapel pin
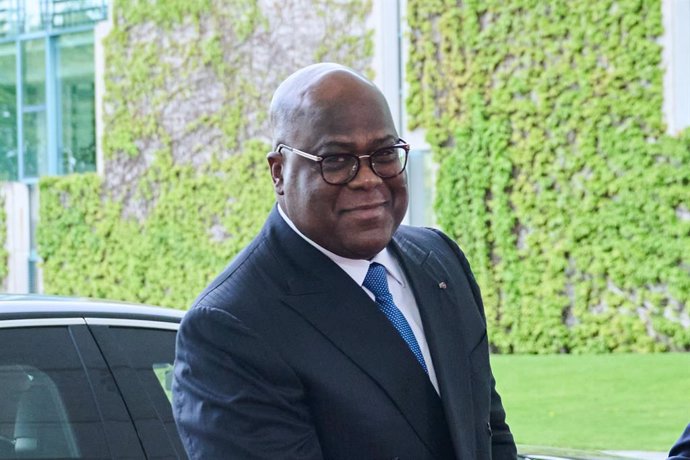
x: 442, y: 285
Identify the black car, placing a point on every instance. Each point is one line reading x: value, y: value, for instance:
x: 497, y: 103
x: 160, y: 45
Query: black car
x: 86, y: 379
x: 548, y: 453
x: 91, y: 379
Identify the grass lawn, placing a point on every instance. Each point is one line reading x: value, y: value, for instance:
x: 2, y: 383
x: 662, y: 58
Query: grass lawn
x: 618, y: 401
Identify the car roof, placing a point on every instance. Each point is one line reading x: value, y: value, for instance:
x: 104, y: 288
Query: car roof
x: 529, y: 452
x: 25, y: 306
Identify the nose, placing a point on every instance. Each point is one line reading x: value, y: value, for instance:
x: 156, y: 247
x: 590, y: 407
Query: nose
x: 365, y: 176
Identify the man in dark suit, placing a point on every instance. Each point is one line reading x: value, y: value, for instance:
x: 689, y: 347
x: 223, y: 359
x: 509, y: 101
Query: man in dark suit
x: 681, y: 449
x: 337, y: 333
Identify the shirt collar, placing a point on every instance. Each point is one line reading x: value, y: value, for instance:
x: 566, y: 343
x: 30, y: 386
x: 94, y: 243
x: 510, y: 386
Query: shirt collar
x: 356, y: 268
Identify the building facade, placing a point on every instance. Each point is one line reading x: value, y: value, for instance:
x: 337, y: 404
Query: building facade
x: 47, y: 110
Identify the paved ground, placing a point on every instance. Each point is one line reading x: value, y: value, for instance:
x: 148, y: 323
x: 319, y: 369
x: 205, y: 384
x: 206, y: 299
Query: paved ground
x: 640, y: 455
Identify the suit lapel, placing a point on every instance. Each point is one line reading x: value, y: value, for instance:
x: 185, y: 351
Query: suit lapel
x: 446, y: 306
x: 325, y: 296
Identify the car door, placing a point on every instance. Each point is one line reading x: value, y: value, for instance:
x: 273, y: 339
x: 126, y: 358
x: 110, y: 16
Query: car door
x: 140, y: 354
x: 57, y: 396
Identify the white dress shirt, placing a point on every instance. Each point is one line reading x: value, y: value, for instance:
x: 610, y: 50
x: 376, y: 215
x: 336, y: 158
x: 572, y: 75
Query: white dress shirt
x: 397, y: 285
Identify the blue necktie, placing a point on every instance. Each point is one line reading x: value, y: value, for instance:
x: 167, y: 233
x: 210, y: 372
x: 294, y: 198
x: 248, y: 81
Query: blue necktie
x: 376, y: 282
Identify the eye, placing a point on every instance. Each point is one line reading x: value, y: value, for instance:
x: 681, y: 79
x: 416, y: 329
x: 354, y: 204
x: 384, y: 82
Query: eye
x: 387, y: 155
x: 334, y: 159
x: 337, y: 162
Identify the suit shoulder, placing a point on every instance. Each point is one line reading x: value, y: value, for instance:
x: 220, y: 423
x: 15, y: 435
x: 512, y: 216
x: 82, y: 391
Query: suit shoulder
x: 416, y: 233
x: 422, y: 240
x: 427, y: 238
x: 242, y: 278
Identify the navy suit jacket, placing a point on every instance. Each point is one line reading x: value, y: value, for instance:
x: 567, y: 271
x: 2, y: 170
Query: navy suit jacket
x: 284, y: 356
x: 681, y: 450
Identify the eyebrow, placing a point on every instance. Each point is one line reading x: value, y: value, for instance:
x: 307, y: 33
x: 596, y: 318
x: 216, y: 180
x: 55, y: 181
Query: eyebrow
x: 379, y: 143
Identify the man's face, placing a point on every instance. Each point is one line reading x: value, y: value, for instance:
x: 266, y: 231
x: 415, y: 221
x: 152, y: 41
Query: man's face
x: 357, y: 219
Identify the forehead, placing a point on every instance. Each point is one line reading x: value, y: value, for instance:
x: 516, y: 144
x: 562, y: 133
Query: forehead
x: 340, y: 108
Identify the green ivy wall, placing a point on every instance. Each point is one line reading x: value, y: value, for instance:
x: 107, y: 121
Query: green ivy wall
x: 555, y: 172
x: 186, y: 182
x: 545, y: 118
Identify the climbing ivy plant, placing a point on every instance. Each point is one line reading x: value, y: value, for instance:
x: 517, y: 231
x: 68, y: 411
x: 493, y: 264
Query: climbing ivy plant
x: 555, y: 172
x: 186, y: 183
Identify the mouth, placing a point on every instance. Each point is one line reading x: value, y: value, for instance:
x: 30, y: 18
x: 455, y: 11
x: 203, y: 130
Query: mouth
x: 367, y: 207
x: 367, y: 211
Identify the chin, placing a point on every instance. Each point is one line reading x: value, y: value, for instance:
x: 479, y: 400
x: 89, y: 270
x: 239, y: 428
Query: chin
x: 368, y: 249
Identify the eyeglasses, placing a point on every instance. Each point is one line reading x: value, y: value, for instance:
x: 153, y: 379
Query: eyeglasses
x: 339, y: 169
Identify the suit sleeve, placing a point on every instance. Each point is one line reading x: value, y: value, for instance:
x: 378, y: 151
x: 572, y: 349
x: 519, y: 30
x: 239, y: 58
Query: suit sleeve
x: 234, y: 397
x: 681, y: 450
x: 502, y: 442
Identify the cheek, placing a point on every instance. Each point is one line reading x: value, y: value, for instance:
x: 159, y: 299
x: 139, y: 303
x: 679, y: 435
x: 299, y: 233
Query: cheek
x: 399, y: 195
x: 315, y: 200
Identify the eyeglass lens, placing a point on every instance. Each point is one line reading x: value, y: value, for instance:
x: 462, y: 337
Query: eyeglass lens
x: 340, y: 169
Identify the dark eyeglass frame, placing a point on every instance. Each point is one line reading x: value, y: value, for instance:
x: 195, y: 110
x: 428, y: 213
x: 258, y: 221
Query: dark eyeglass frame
x: 319, y: 159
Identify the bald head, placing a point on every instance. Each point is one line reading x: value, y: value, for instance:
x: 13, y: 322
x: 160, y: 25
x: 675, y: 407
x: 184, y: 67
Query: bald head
x: 309, y: 89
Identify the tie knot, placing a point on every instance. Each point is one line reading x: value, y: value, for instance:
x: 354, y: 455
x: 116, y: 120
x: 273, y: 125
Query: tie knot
x: 376, y: 281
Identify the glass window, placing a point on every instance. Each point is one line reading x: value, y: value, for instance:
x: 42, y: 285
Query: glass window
x: 66, y: 13
x: 164, y: 374
x: 35, y: 144
x: 8, y: 112
x: 77, y: 103
x: 31, y: 13
x: 30, y: 16
x: 8, y: 18
x: 34, y: 72
x: 149, y: 353
x: 50, y: 126
x: 46, y: 407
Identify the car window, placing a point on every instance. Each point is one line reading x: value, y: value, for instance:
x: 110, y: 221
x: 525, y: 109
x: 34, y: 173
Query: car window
x: 164, y: 373
x: 144, y: 359
x: 47, y: 409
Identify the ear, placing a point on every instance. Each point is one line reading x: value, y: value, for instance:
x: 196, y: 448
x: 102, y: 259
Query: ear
x: 275, y: 164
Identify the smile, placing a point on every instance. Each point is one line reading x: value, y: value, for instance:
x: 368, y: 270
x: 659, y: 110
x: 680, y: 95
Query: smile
x: 368, y: 212
x: 367, y: 207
